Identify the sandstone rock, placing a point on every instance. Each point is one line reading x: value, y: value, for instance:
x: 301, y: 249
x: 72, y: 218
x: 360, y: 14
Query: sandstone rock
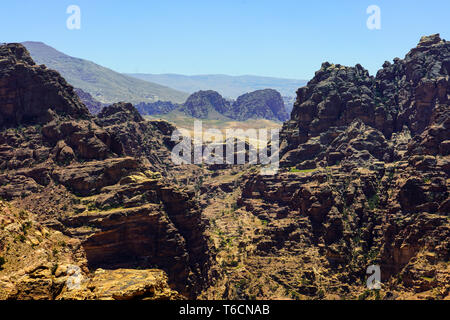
x: 125, y: 284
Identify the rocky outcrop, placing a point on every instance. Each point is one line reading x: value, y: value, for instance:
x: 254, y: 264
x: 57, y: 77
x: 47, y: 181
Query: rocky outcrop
x: 365, y: 181
x: 207, y: 104
x: 260, y: 104
x: 149, y: 141
x: 124, y: 284
x: 89, y: 178
x: 30, y: 93
x: 141, y: 222
x: 155, y: 108
x: 118, y: 113
x: 98, y: 181
x: 406, y: 96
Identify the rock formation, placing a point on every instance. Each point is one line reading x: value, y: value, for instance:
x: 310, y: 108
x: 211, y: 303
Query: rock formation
x: 206, y: 105
x: 155, y: 108
x: 364, y: 180
x: 96, y: 180
x: 260, y: 104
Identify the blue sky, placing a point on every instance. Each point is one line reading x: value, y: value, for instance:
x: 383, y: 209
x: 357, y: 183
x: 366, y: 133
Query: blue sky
x: 282, y: 38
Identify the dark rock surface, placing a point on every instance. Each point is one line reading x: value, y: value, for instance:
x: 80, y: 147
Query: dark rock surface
x: 260, y: 104
x: 93, y: 105
x: 30, y: 93
x: 158, y: 107
x: 263, y: 104
x: 206, y: 104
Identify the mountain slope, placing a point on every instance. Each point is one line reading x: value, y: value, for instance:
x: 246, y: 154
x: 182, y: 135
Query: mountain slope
x: 105, y: 85
x: 228, y: 86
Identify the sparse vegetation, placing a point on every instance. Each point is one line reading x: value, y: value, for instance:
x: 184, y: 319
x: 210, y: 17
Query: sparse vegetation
x: 294, y: 169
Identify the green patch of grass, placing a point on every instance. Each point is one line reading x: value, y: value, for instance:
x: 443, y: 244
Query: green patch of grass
x: 373, y: 201
x: 428, y: 279
x: 294, y: 169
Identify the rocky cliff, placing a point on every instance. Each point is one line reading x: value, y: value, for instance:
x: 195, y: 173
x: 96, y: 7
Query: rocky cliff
x: 30, y: 93
x: 260, y: 104
x: 365, y: 181
x: 155, y: 108
x: 207, y: 104
x: 97, y: 181
x: 400, y: 102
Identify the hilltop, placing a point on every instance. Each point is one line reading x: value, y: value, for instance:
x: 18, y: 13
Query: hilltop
x: 103, y: 84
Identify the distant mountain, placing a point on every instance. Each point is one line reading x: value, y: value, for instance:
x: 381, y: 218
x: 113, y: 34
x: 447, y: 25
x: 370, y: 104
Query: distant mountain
x: 207, y: 104
x: 93, y: 105
x: 105, y: 85
x: 228, y: 86
x: 261, y: 104
x: 267, y: 104
x: 158, y: 107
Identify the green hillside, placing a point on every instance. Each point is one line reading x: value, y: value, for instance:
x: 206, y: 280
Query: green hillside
x: 105, y: 85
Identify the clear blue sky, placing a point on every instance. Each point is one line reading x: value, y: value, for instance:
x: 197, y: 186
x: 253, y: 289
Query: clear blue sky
x: 283, y: 38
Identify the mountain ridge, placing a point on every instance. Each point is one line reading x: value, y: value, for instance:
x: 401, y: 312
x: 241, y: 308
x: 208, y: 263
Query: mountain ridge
x: 229, y: 86
x: 104, y: 84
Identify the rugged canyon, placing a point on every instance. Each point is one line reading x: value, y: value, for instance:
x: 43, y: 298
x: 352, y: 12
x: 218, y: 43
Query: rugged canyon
x: 363, y: 180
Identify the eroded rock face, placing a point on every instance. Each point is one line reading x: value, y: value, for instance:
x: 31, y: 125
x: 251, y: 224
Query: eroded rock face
x: 96, y: 182
x: 409, y: 94
x: 141, y: 222
x: 263, y: 104
x: 86, y: 179
x: 149, y: 141
x: 28, y: 91
x: 119, y: 113
x: 204, y: 104
x: 365, y: 181
x: 124, y: 284
x: 259, y: 104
